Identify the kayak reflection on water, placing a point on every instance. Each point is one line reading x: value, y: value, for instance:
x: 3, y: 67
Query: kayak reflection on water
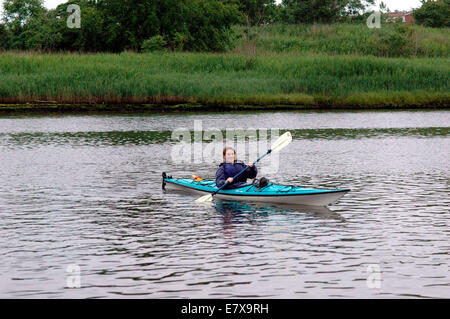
x: 234, y: 212
x: 276, y: 221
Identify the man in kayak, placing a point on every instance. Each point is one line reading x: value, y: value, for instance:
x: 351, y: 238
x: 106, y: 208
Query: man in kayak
x: 231, y: 167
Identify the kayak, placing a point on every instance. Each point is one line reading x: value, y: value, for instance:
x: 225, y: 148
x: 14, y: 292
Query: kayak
x: 272, y: 193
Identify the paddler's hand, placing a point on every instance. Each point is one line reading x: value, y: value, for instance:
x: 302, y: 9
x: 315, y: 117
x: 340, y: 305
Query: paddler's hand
x: 250, y: 164
x: 230, y: 180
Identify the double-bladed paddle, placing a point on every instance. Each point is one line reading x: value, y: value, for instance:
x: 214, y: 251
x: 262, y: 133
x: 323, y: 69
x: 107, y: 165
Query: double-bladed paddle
x: 276, y: 146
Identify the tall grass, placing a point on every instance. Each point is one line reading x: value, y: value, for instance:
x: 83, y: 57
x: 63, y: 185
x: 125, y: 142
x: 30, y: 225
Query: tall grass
x: 349, y: 39
x: 224, y: 79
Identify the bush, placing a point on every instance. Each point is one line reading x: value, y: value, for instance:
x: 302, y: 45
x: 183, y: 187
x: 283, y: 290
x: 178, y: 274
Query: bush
x: 435, y: 14
x: 155, y: 43
x: 402, y: 42
x: 179, y: 40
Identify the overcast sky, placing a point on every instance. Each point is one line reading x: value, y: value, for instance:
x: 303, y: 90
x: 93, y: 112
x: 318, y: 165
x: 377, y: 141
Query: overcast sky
x: 392, y: 4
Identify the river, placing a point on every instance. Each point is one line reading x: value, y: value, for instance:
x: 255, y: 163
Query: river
x: 83, y: 214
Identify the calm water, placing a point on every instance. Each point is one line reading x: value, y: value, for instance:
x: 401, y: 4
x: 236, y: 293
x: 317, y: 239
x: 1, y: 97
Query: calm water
x: 85, y: 191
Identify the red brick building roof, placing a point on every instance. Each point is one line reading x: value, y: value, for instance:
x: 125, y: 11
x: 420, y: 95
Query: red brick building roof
x: 406, y: 17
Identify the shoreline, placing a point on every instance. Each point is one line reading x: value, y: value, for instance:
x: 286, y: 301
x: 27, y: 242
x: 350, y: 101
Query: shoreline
x: 131, y: 82
x: 107, y: 108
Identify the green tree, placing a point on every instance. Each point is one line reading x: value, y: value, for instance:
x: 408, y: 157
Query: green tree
x: 435, y: 14
x: 383, y: 7
x: 207, y: 25
x: 90, y: 37
x: 127, y: 23
x: 322, y: 11
x: 256, y: 15
x: 4, y: 36
x: 199, y: 25
x: 18, y: 12
x: 117, y: 25
x: 354, y: 7
x: 40, y: 32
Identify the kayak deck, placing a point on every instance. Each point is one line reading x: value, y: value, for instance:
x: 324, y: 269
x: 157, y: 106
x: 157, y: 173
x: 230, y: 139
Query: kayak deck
x: 272, y: 193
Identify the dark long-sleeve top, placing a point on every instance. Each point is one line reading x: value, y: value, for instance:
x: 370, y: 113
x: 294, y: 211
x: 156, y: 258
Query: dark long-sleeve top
x: 227, y: 170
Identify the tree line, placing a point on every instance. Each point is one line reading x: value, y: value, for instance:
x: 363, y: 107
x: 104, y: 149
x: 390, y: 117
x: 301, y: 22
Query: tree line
x: 191, y: 25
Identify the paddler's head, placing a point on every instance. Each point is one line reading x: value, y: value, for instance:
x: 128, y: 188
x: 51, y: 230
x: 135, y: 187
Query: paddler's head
x: 229, y: 155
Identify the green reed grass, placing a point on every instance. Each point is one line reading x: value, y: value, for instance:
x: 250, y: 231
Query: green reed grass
x: 221, y: 79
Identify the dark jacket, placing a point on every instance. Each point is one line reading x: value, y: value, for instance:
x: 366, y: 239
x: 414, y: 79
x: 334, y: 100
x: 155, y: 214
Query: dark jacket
x: 227, y: 170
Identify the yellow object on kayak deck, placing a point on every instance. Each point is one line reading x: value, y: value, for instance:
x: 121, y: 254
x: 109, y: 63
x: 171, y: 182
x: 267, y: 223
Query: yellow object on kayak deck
x: 197, y: 178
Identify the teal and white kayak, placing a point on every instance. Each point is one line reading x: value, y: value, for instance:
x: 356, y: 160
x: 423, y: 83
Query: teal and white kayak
x: 272, y: 193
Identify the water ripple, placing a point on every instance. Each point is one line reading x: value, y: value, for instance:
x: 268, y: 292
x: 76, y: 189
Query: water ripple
x: 92, y: 198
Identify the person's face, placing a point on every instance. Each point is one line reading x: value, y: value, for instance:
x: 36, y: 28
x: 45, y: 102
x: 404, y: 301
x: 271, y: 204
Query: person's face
x: 229, y: 156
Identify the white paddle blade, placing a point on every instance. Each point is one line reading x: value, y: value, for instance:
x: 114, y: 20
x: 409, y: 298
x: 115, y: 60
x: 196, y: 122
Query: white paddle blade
x: 281, y: 142
x: 204, y: 199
